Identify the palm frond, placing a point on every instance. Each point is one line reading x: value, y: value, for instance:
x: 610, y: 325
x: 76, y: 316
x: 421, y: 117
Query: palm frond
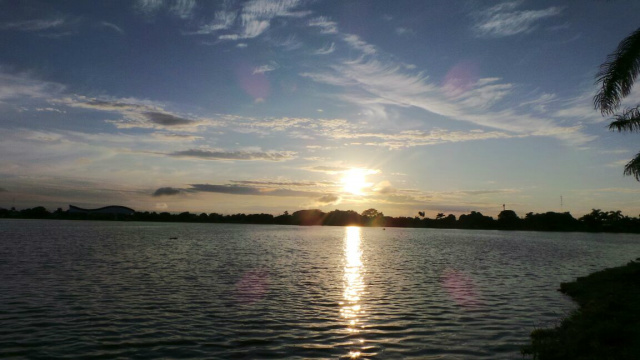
x: 633, y: 167
x: 629, y: 120
x: 618, y: 74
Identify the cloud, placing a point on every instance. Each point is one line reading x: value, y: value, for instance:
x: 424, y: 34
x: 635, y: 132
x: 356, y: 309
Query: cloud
x: 504, y: 20
x: 326, y: 26
x: 328, y: 169
x: 222, y: 20
x: 485, y: 192
x: 3, y: 190
x: 375, y: 85
x: 329, y: 199
x: 175, y: 137
x: 411, y: 138
x: 166, y: 191
x: 326, y: 50
x: 263, y: 69
x: 541, y: 103
x: 183, y: 8
x: 24, y: 86
x: 402, y: 31
x: 180, y: 8
x: 384, y: 187
x: 166, y: 119
x: 34, y: 25
x: 252, y: 20
x: 355, y: 42
x: 236, y: 155
x: 278, y: 183
x: 149, y: 7
x: 248, y: 190
x: 135, y: 113
x: 113, y: 27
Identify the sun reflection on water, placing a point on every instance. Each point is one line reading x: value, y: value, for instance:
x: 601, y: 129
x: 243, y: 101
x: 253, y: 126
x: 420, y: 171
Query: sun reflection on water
x: 351, y: 308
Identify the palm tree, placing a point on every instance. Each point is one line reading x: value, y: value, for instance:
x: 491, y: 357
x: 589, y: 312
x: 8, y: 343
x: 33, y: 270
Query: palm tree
x: 616, y: 77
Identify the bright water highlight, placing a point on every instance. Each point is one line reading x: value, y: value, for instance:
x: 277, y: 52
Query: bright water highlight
x: 107, y: 289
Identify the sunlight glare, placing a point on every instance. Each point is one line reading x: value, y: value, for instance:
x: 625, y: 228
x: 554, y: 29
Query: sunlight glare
x: 354, y: 181
x: 351, y: 309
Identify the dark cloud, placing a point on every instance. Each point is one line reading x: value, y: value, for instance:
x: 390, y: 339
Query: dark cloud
x: 165, y: 119
x: 328, y: 169
x: 328, y: 199
x: 235, y: 155
x: 486, y: 192
x: 247, y: 190
x: 166, y: 191
x: 3, y: 190
x: 274, y: 183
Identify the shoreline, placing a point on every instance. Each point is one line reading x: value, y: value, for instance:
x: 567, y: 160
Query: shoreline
x: 606, y: 324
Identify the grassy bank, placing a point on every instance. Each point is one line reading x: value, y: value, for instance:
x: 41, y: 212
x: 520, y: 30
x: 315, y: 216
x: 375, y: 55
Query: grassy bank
x: 605, y: 326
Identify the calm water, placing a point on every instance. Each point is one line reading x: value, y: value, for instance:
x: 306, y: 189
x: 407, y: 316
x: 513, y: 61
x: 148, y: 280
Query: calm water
x: 107, y: 290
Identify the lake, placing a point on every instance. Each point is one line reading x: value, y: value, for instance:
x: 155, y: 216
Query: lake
x: 82, y: 289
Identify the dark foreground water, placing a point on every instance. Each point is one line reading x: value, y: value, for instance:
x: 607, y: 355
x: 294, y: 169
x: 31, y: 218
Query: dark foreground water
x: 126, y: 290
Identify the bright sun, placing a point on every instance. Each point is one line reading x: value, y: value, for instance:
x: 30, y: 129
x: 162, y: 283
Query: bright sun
x: 354, y: 181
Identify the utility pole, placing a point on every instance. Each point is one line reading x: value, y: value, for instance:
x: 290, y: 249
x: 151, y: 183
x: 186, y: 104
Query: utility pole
x: 561, y: 204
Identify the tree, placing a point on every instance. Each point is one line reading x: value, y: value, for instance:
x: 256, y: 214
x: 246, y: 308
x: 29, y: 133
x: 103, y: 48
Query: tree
x: 616, y: 76
x: 371, y: 213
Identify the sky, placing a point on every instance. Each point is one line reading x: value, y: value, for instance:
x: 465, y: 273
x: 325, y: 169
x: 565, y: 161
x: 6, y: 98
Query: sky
x: 281, y: 105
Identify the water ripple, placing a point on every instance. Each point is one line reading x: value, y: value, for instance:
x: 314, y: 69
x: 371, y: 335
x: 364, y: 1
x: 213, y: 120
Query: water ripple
x: 125, y: 290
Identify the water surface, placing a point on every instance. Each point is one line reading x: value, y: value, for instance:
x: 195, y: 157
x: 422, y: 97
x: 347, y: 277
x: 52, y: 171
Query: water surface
x: 81, y: 289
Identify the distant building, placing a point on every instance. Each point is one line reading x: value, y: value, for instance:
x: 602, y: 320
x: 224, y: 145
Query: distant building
x: 113, y: 209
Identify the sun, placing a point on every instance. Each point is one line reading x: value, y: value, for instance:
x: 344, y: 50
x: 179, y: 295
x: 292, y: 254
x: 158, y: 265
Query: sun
x: 354, y: 181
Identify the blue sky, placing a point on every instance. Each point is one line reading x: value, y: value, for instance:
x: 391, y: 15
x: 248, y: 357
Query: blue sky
x: 267, y: 106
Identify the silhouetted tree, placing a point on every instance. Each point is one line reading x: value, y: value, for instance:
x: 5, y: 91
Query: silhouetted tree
x: 372, y: 217
x: 616, y: 77
x: 475, y: 220
x: 507, y: 219
x: 551, y: 221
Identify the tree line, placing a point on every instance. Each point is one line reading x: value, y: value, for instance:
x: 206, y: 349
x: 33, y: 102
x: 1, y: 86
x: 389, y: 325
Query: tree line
x: 596, y: 221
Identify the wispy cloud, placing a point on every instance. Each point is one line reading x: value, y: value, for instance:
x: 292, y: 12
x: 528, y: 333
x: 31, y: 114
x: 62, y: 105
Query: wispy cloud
x: 235, y: 155
x: 183, y: 8
x: 180, y: 8
x: 402, y: 31
x: 326, y: 26
x: 112, y: 26
x: 149, y: 7
x: 326, y: 49
x: 357, y: 43
x: 252, y: 20
x: 222, y: 20
x: 264, y: 68
x: 328, y: 169
x: 34, y: 25
x: 505, y: 20
x: 22, y: 85
x: 175, y: 137
x: 411, y: 138
x: 388, y: 84
x: 135, y: 113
